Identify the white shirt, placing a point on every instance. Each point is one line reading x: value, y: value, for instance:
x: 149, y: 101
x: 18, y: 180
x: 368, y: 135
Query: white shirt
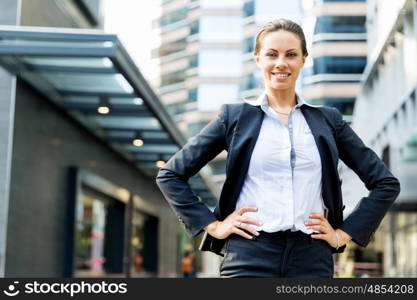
x: 284, y: 175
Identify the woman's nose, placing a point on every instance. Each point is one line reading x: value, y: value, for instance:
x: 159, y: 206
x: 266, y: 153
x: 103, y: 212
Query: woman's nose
x: 280, y: 62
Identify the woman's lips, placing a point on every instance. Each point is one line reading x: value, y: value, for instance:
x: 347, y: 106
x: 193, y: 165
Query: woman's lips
x: 281, y: 76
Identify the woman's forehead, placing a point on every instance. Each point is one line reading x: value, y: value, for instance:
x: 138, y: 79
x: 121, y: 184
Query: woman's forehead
x: 281, y: 41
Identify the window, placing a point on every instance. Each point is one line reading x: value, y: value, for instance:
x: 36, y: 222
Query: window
x: 219, y: 63
x: 248, y: 9
x: 172, y: 47
x: 220, y: 28
x: 192, y: 95
x: 344, y: 105
x: 194, y: 61
x: 173, y: 78
x: 173, y: 16
x: 339, y: 65
x: 340, y: 24
x: 248, y: 45
x: 194, y: 28
x: 248, y: 82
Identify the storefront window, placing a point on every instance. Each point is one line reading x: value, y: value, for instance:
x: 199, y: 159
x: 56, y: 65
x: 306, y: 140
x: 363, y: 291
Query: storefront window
x: 91, y: 216
x: 144, y: 245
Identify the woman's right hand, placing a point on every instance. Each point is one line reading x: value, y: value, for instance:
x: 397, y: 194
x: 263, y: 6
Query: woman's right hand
x: 234, y: 223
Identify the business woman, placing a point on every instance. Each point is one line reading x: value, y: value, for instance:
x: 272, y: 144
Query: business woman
x: 280, y: 212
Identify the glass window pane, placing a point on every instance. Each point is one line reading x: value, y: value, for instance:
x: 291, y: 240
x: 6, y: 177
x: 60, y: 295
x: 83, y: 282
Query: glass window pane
x: 100, y: 83
x: 80, y: 62
x: 220, y: 29
x: 127, y: 122
x: 213, y: 62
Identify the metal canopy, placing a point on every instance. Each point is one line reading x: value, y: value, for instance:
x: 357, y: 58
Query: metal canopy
x: 82, y: 70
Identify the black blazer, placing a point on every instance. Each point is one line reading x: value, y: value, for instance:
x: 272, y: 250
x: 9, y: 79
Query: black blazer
x: 236, y: 130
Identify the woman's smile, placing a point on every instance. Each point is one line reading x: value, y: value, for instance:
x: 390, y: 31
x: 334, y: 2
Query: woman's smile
x: 281, y: 76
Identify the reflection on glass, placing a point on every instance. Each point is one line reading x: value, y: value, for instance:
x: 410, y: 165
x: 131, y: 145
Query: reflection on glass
x: 80, y: 62
x: 90, y: 226
x: 144, y: 246
x: 137, y: 245
x: 100, y: 83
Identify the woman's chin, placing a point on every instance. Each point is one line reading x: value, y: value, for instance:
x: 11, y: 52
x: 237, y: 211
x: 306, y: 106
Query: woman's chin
x: 280, y: 86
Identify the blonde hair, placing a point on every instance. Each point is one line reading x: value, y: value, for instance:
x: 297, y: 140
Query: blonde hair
x: 281, y: 24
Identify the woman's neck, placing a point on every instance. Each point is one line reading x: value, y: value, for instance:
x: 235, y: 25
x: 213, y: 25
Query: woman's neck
x: 282, y: 99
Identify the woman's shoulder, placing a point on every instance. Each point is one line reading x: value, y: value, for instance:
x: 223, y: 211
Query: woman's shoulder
x: 232, y: 108
x: 327, y: 110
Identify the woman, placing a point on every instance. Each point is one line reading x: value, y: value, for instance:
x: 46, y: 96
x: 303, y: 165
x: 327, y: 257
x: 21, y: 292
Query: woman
x: 280, y: 212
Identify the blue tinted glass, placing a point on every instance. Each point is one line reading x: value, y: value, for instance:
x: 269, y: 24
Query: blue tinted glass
x: 344, y: 105
x: 249, y: 9
x: 339, y: 65
x: 173, y: 17
x: 337, y: 24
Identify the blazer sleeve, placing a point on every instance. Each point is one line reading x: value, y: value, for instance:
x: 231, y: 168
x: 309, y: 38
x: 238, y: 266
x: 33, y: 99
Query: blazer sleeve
x: 172, y: 179
x: 382, y: 185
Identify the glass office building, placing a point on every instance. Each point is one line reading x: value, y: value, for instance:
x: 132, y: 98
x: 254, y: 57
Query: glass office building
x: 338, y: 54
x: 386, y: 119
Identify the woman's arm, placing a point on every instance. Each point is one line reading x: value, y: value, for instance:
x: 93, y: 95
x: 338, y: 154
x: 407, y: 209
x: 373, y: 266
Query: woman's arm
x: 383, y: 186
x: 172, y: 179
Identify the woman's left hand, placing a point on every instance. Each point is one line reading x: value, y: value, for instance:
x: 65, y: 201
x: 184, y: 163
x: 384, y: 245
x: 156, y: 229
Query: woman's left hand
x: 327, y: 233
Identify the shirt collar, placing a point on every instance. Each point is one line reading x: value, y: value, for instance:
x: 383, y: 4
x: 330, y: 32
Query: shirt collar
x: 262, y: 101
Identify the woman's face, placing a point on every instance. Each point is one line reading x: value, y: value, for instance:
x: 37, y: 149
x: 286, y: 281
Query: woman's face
x: 280, y: 59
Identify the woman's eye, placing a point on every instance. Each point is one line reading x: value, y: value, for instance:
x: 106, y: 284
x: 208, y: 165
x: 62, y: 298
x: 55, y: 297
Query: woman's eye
x: 289, y: 54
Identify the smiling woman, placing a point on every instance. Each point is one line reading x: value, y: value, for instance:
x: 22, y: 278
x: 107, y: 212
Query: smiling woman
x: 280, y: 213
x: 280, y: 53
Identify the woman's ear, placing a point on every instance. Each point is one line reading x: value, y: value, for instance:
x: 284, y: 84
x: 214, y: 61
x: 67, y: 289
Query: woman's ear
x: 256, y: 56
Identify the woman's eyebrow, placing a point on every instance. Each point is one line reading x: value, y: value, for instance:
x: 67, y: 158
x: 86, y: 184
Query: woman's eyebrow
x: 285, y: 51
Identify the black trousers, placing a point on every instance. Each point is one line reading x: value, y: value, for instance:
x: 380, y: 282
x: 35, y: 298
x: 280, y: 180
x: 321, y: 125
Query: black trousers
x: 277, y: 254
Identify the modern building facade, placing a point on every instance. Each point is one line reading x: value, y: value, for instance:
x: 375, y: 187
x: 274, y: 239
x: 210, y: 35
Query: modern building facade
x: 338, y: 54
x: 200, y: 63
x: 82, y: 136
x: 385, y: 117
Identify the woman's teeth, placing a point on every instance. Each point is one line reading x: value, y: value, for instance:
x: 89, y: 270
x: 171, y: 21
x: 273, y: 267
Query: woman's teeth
x: 281, y: 75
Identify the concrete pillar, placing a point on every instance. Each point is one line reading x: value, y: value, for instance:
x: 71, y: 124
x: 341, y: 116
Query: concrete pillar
x: 9, y: 15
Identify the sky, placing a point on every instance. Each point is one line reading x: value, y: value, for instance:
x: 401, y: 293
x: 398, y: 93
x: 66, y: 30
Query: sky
x: 132, y: 20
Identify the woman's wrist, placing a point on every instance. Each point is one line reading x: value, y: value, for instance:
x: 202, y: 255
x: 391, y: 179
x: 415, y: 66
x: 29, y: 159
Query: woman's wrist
x: 211, y: 227
x: 343, y: 237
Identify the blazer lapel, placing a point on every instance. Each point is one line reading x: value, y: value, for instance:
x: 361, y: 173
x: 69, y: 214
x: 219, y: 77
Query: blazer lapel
x: 321, y: 132
x: 240, y: 151
x: 328, y: 154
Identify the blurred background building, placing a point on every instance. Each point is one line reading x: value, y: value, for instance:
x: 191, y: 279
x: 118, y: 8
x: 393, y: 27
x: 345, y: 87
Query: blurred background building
x: 385, y: 117
x: 338, y: 52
